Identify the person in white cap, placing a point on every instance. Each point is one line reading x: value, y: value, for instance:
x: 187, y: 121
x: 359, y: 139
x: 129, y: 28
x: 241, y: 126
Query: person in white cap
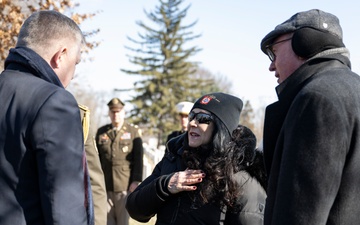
x: 183, y: 109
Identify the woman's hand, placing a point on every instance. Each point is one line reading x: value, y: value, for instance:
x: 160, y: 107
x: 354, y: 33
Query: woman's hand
x: 185, y: 180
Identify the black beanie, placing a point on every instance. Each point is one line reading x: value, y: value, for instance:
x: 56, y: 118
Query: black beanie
x: 224, y: 106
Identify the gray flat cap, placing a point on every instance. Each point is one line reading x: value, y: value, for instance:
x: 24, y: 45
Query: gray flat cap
x: 314, y: 18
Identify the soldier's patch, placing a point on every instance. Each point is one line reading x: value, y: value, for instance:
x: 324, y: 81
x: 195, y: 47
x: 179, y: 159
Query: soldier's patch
x: 126, y: 136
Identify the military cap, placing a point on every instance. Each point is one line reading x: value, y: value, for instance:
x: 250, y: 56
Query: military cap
x: 115, y: 103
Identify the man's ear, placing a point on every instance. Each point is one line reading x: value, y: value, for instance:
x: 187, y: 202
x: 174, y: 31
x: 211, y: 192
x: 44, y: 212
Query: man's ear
x: 56, y: 59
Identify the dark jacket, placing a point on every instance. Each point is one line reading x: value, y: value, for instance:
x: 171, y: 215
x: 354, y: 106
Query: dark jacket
x: 121, y: 156
x: 152, y: 197
x: 41, y: 146
x: 174, y: 134
x: 312, y: 146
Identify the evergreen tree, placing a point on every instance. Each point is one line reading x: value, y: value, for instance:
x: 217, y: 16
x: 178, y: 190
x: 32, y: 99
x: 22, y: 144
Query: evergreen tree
x: 165, y: 69
x: 247, y: 116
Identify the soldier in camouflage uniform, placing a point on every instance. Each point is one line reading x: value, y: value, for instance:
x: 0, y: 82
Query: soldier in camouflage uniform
x: 121, y: 156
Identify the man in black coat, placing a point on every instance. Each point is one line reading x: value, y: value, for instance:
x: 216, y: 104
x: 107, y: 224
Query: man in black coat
x: 42, y: 179
x: 312, y: 133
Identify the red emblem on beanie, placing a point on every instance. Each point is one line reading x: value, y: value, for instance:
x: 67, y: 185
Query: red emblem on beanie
x: 205, y: 100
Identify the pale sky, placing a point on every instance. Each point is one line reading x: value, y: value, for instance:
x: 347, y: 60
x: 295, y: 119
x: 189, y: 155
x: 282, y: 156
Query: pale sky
x: 231, y: 34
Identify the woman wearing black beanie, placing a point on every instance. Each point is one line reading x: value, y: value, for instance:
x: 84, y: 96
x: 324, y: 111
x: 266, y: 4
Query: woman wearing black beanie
x: 212, y: 174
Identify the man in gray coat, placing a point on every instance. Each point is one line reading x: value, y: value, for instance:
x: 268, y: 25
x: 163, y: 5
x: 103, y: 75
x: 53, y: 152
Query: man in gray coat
x: 312, y: 133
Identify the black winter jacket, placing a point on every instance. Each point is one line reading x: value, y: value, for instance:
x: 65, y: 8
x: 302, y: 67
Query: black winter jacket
x: 152, y: 197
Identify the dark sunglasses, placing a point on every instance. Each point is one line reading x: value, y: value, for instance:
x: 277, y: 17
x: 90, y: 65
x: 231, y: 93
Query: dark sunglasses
x: 269, y: 49
x: 200, y: 117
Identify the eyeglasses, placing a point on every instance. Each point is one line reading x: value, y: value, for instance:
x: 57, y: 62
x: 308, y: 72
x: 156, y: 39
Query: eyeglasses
x: 269, y: 49
x: 200, y: 117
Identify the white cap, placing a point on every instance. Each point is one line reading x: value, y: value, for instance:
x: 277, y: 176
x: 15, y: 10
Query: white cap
x: 184, y: 107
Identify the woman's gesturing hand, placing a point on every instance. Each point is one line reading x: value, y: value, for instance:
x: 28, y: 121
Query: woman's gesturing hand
x: 185, y: 180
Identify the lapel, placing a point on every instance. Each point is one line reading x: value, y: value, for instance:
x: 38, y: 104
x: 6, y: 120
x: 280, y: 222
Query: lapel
x: 276, y: 113
x: 118, y: 134
x: 111, y: 134
x: 274, y: 117
x: 121, y: 131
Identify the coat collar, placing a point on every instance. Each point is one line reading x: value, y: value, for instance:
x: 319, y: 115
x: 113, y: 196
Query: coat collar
x: 287, y: 90
x: 27, y: 60
x: 276, y: 112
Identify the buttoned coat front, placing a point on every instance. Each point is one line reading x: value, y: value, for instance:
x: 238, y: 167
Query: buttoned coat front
x: 121, y: 156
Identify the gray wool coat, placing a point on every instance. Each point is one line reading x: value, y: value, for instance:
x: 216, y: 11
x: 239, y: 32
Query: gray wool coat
x: 312, y: 146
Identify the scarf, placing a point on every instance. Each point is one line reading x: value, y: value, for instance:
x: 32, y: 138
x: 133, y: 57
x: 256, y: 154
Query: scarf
x: 34, y: 63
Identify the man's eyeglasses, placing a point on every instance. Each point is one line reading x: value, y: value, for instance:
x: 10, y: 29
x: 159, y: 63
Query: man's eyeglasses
x: 200, y: 117
x: 269, y: 49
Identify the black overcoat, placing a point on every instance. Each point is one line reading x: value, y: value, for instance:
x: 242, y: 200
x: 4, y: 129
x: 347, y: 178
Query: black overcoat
x: 312, y: 146
x: 41, y: 146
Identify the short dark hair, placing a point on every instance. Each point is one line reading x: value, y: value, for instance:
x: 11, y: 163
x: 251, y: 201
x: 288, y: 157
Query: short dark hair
x: 45, y: 26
